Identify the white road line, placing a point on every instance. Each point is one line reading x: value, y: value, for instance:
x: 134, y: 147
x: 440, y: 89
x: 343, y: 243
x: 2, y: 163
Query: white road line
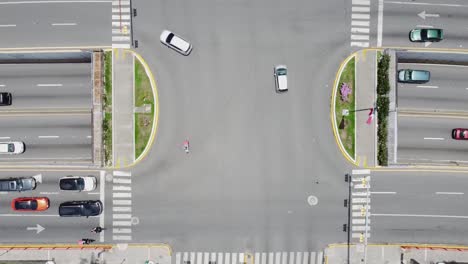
x: 206, y: 258
x: 102, y: 182
x: 312, y: 257
x: 359, y: 44
x: 361, y: 186
x: 220, y: 258
x: 320, y: 257
x: 298, y: 257
x: 360, y: 30
x: 428, y: 4
x: 122, y: 173
x: 54, y: 2
x: 241, y: 257
x: 120, y: 46
x: 121, y: 181
x: 88, y: 136
x: 361, y: 2
x: 358, y: 235
x: 120, y: 17
x: 121, y: 238
x: 120, y: 38
x: 49, y: 84
x: 48, y: 136
x: 278, y: 258
x: 257, y: 258
x: 305, y: 259
x: 63, y: 24
x: 186, y: 257
x: 121, y: 10
x: 363, y: 171
x: 213, y: 257
x: 48, y: 193
x: 360, y: 16
x: 360, y: 207
x: 359, y: 193
x: 360, y: 221
x: 121, y: 195
x: 228, y: 258
x: 121, y: 188
x: 2, y: 85
x: 434, y: 138
x: 192, y: 257
x: 360, y: 200
x: 118, y: 24
x: 8, y: 25
x: 121, y: 223
x: 122, y: 202
x: 284, y: 259
x: 120, y: 2
x: 428, y: 86
x: 4, y: 137
x: 360, y: 228
x: 365, y: 9
x: 121, y: 230
x: 199, y: 257
x: 451, y: 193
x: 270, y: 258
x: 264, y: 258
x: 380, y: 23
x: 94, y: 193
x: 359, y: 214
x: 426, y: 216
x: 122, y: 209
x: 291, y: 258
x: 383, y: 192
x: 359, y: 37
x: 360, y: 23
x: 424, y: 26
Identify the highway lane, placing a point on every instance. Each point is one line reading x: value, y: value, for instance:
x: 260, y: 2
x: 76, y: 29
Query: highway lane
x: 446, y: 90
x: 47, y: 85
x: 401, y: 16
x: 256, y: 156
x: 47, y: 24
x: 427, y: 207
x: 49, y: 137
x: 428, y: 139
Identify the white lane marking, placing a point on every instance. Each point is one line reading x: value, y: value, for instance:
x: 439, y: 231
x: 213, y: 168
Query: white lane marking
x: 428, y: 86
x: 270, y: 258
x: 284, y: 259
x: 360, y: 221
x: 363, y: 171
x: 63, y: 24
x: 120, y: 2
x: 4, y: 137
x: 121, y: 181
x: 206, y: 257
x: 298, y: 258
x: 234, y: 258
x: 426, y: 216
x: 122, y: 202
x: 48, y: 136
x: 121, y: 223
x: 2, y: 85
x: 380, y: 23
x: 54, y: 2
x: 118, y: 24
x: 434, y: 138
x: 8, y: 25
x: 49, y: 84
x: 122, y: 209
x: 278, y: 258
x: 199, y: 257
x: 121, y: 237
x: 120, y: 38
x: 102, y: 175
x: 365, y: 9
x: 88, y: 136
x: 305, y: 260
x: 360, y: 37
x: 94, y: 193
x: 121, y: 230
x: 228, y: 258
x: 360, y: 16
x: 428, y: 4
x: 424, y: 26
x: 192, y: 257
x: 220, y: 258
x: 359, y: 44
x: 122, y: 173
x: 119, y: 17
x: 361, y: 207
x: 120, y: 46
x: 121, y: 188
x: 451, y: 193
x: 361, y: 2
x: 177, y: 257
x: 121, y: 10
x: 257, y: 258
x: 48, y: 193
x: 291, y: 258
x: 360, y: 200
x: 359, y: 30
x: 383, y: 192
x: 360, y: 23
x: 360, y: 228
x: 121, y: 195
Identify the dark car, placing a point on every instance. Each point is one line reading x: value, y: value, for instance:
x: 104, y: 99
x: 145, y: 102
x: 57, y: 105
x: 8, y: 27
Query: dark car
x: 460, y: 133
x: 413, y: 76
x: 426, y: 35
x: 81, y: 208
x: 5, y: 98
x: 17, y: 184
x: 78, y: 183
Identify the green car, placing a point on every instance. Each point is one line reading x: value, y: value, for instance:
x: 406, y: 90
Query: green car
x: 413, y: 76
x: 426, y: 35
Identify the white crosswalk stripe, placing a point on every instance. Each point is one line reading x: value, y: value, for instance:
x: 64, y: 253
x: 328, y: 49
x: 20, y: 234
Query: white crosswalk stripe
x: 121, y: 24
x: 280, y: 257
x: 360, y: 205
x: 360, y: 20
x: 122, y: 206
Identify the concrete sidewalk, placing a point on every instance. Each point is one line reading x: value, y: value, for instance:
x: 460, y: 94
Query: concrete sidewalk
x: 366, y: 129
x: 88, y: 254
x: 122, y: 108
x: 374, y: 254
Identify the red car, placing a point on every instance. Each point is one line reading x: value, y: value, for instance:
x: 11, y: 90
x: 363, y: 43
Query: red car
x: 460, y: 133
x: 30, y: 204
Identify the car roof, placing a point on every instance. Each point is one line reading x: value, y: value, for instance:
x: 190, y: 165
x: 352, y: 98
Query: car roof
x: 180, y: 43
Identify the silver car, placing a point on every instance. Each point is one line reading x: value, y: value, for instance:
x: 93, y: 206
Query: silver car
x: 281, y: 78
x: 175, y: 42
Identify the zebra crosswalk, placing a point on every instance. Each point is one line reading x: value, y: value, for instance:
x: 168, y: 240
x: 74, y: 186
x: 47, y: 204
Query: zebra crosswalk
x: 360, y: 205
x: 360, y: 20
x: 248, y: 258
x: 121, y: 24
x: 121, y: 206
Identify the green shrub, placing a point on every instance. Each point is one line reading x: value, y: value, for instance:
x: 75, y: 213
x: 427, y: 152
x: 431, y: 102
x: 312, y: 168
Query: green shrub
x: 383, y: 105
x: 383, y: 84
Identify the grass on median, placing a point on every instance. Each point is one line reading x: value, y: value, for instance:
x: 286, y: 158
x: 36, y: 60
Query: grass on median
x: 143, y: 96
x: 347, y: 133
x: 107, y: 109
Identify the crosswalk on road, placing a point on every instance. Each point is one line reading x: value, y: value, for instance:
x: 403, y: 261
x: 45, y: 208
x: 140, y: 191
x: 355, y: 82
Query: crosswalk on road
x: 360, y: 20
x: 360, y: 205
x: 121, y: 24
x: 245, y: 258
x: 121, y: 206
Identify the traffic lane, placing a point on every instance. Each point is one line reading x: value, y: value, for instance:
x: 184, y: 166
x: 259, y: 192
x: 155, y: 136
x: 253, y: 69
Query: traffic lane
x: 446, y: 90
x: 450, y: 19
x: 58, y: 85
x: 49, y: 24
x: 428, y: 139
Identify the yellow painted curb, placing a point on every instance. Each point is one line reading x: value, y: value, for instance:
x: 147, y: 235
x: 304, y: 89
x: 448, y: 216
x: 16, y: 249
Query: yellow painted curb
x: 76, y: 246
x: 441, y: 246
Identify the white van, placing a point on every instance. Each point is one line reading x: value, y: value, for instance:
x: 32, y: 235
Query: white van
x: 281, y: 78
x: 12, y: 147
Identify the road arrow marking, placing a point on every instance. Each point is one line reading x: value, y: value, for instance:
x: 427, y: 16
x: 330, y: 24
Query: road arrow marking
x: 38, y: 178
x: 423, y: 15
x: 38, y: 228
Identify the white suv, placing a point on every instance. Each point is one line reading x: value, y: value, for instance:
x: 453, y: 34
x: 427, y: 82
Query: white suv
x: 175, y: 42
x: 12, y: 147
x: 281, y: 78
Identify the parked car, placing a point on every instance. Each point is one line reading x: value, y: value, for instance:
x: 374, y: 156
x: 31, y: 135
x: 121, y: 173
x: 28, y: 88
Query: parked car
x: 30, y: 204
x: 460, y: 133
x: 281, y: 78
x: 81, y: 208
x: 175, y: 42
x: 5, y: 99
x: 17, y: 184
x: 78, y: 183
x: 413, y: 76
x: 426, y: 35
x: 12, y: 147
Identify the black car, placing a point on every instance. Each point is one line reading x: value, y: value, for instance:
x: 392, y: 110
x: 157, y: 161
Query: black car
x: 17, y: 184
x: 5, y: 98
x: 81, y: 208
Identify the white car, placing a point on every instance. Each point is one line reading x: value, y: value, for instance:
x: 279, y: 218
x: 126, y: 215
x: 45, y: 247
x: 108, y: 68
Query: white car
x: 12, y: 147
x: 78, y: 183
x: 281, y: 78
x: 175, y: 42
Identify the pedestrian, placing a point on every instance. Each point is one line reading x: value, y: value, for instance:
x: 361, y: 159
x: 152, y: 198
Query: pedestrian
x: 97, y: 229
x: 86, y: 241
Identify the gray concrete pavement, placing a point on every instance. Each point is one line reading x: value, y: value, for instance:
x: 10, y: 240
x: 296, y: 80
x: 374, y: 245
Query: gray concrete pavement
x: 338, y: 254
x: 122, y: 108
x: 425, y: 139
x: 54, y: 24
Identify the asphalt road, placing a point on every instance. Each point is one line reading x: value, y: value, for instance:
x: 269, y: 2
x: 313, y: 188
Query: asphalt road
x: 53, y: 86
x: 49, y: 138
x: 446, y: 91
x: 27, y: 24
x: 256, y: 156
x: 419, y: 207
x: 400, y: 17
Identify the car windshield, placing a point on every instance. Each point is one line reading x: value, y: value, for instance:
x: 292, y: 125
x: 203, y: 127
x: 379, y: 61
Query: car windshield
x: 408, y: 75
x: 281, y: 71
x: 90, y: 209
x: 26, y: 205
x: 72, y: 184
x: 11, y: 147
